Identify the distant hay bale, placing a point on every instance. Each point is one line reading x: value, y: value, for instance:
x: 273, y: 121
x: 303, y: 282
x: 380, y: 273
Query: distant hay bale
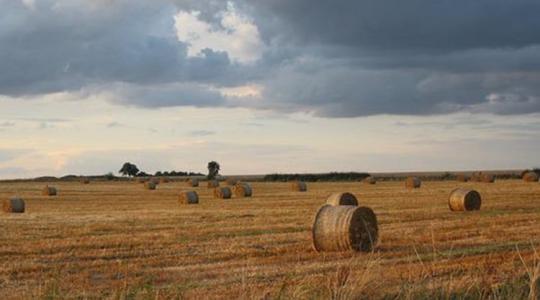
x: 141, y: 180
x: 232, y: 181
x: 155, y: 180
x: 487, y: 178
x: 242, y: 189
x: 164, y: 180
x: 13, y: 205
x: 222, y: 193
x: 530, y: 177
x: 85, y: 180
x: 342, y: 199
x: 189, y: 197
x: 150, y: 185
x: 369, y: 180
x: 192, y: 182
x: 212, y: 184
x: 413, y: 183
x: 48, y: 191
x: 462, y: 178
x: 345, y: 228
x: 462, y: 199
x: 298, y: 186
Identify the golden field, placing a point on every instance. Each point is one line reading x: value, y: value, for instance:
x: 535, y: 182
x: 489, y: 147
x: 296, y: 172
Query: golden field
x: 116, y: 240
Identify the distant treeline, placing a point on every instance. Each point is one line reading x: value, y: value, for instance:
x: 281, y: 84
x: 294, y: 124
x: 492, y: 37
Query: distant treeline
x: 175, y: 173
x: 334, y: 176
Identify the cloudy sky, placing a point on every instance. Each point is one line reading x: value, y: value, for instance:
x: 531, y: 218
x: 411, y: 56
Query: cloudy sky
x: 268, y: 85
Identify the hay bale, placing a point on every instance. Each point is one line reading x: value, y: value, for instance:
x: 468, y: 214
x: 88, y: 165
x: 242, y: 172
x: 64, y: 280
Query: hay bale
x: 462, y: 178
x: 232, y: 181
x: 342, y: 199
x: 530, y: 177
x: 141, y: 180
x: 413, y: 183
x: 212, y: 184
x: 164, y: 180
x: 189, y: 197
x: 298, y: 186
x: 222, y: 193
x: 150, y: 185
x: 13, y: 205
x: 487, y: 178
x: 192, y: 182
x: 155, y: 180
x: 345, y: 228
x: 49, y: 191
x: 462, y: 199
x: 369, y: 180
x: 85, y: 180
x: 242, y: 189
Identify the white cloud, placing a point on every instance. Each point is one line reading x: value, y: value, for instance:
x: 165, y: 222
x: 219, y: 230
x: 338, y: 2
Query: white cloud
x: 238, y: 35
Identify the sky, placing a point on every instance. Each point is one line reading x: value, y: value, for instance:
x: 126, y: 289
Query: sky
x: 265, y: 86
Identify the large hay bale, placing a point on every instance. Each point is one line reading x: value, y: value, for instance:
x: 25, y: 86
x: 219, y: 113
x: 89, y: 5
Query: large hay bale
x: 189, y: 197
x: 530, y: 177
x: 212, y: 184
x: 413, y: 183
x: 462, y: 199
x: 164, y: 180
x: 232, y: 181
x: 192, y: 182
x: 13, y: 205
x: 298, y: 186
x: 222, y: 192
x: 48, y: 191
x: 345, y: 228
x: 342, y: 199
x: 488, y: 178
x: 462, y: 178
x: 369, y: 180
x: 85, y: 180
x: 242, y: 189
x: 150, y: 185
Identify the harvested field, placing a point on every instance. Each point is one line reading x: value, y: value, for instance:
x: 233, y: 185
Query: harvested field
x: 116, y: 240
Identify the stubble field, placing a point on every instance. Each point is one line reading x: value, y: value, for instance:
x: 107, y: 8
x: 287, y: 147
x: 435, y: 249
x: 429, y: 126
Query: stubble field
x: 116, y: 240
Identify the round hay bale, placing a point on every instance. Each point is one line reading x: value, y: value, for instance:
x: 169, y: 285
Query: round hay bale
x: 413, y: 183
x: 85, y: 180
x: 49, y: 191
x: 488, y: 178
x: 345, y: 228
x: 189, y: 197
x: 222, y: 193
x: 342, y: 199
x: 212, y: 184
x: 462, y: 199
x: 232, y: 181
x: 192, y: 182
x: 155, y: 180
x: 150, y: 185
x: 530, y: 177
x: 141, y: 180
x: 369, y: 180
x: 476, y: 176
x: 242, y: 189
x: 13, y: 205
x: 164, y: 180
x: 462, y: 178
x: 298, y: 186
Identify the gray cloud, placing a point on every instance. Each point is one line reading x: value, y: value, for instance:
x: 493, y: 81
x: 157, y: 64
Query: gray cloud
x: 334, y: 58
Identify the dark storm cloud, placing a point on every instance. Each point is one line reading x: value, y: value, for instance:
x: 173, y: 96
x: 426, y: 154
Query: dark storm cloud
x: 331, y: 58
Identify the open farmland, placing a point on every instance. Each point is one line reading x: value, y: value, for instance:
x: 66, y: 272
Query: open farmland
x: 117, y: 240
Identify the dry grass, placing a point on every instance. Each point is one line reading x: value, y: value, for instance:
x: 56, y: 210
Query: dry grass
x: 114, y: 240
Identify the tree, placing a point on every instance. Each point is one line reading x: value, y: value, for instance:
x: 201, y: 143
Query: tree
x: 213, y: 170
x: 129, y: 169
